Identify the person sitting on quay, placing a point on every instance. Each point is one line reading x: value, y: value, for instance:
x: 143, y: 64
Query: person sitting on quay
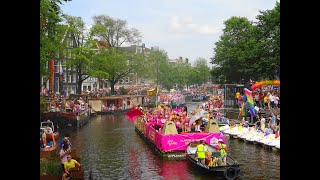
x: 223, y: 151
x: 68, y: 165
x: 200, y: 152
x: 246, y: 125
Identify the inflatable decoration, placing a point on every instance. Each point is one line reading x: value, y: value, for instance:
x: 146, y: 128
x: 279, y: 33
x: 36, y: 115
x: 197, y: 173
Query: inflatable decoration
x: 266, y: 82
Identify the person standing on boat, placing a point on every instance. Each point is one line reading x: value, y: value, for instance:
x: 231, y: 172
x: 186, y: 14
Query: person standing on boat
x: 65, y: 139
x: 223, y: 151
x: 44, y: 138
x: 69, y: 164
x: 200, y: 152
x: 64, y: 153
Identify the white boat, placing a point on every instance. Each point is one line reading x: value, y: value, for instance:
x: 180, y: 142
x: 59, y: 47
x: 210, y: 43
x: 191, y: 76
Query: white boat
x: 48, y: 128
x: 275, y: 143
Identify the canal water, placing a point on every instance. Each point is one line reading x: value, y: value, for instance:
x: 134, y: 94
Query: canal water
x: 109, y: 146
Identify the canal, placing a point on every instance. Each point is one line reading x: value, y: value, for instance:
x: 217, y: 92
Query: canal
x: 109, y: 146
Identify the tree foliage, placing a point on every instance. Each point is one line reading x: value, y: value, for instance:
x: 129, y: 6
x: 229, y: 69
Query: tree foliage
x: 248, y: 50
x: 82, y: 52
x: 202, y: 69
x: 114, y: 65
x: 114, y: 31
x: 50, y: 32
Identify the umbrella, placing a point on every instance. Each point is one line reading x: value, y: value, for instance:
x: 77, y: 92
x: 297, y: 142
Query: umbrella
x: 193, y: 119
x: 133, y: 114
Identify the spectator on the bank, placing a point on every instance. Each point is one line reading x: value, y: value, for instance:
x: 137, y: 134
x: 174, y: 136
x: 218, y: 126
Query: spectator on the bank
x: 278, y: 119
x: 260, y: 99
x: 262, y: 124
x: 228, y: 121
x: 271, y: 100
x: 256, y: 98
x: 237, y: 97
x: 258, y: 123
x: 240, y: 100
x: 265, y: 100
x: 273, y: 119
x: 246, y: 125
x: 63, y: 154
x: 68, y: 165
x: 256, y: 108
x: 276, y: 101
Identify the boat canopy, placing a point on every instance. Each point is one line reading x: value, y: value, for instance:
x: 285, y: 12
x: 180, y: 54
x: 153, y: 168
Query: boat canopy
x: 169, y: 128
x: 212, y: 126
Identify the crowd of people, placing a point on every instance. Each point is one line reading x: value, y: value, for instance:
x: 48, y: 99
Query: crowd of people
x: 266, y: 97
x: 57, y: 103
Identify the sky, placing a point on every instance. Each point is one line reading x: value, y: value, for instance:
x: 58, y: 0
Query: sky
x: 186, y: 28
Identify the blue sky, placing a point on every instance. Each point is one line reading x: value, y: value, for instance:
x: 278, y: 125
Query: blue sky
x: 186, y: 28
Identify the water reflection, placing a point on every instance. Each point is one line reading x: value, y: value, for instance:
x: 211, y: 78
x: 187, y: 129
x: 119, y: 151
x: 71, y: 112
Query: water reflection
x: 109, y: 146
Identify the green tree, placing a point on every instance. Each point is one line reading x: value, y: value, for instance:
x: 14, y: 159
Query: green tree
x: 82, y: 51
x: 269, y: 36
x: 114, y: 31
x: 50, y: 33
x: 236, y: 52
x: 202, y: 68
x: 248, y: 50
x: 117, y: 34
x: 114, y: 65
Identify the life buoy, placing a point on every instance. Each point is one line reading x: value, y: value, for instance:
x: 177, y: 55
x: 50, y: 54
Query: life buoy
x: 230, y: 173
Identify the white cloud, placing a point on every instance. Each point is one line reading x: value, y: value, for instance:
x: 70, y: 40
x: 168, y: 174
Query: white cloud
x: 186, y: 25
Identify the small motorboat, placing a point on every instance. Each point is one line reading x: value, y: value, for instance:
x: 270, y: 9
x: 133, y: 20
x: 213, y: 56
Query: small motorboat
x: 213, y: 163
x: 48, y: 128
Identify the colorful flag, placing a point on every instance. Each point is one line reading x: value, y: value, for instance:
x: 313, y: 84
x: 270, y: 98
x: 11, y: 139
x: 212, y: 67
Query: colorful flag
x: 133, y: 114
x: 243, y: 110
x: 248, y: 94
x: 51, y: 79
x: 152, y: 92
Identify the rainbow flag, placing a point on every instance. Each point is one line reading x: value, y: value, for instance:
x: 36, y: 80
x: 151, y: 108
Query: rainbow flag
x: 248, y: 94
x: 243, y: 110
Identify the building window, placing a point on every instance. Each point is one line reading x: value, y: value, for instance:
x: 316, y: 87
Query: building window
x: 69, y: 77
x: 74, y: 78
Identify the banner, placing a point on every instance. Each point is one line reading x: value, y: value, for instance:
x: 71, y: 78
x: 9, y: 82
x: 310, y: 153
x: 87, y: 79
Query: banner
x: 51, y: 78
x: 179, y: 142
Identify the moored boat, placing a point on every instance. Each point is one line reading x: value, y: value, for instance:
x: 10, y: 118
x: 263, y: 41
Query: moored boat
x: 48, y: 128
